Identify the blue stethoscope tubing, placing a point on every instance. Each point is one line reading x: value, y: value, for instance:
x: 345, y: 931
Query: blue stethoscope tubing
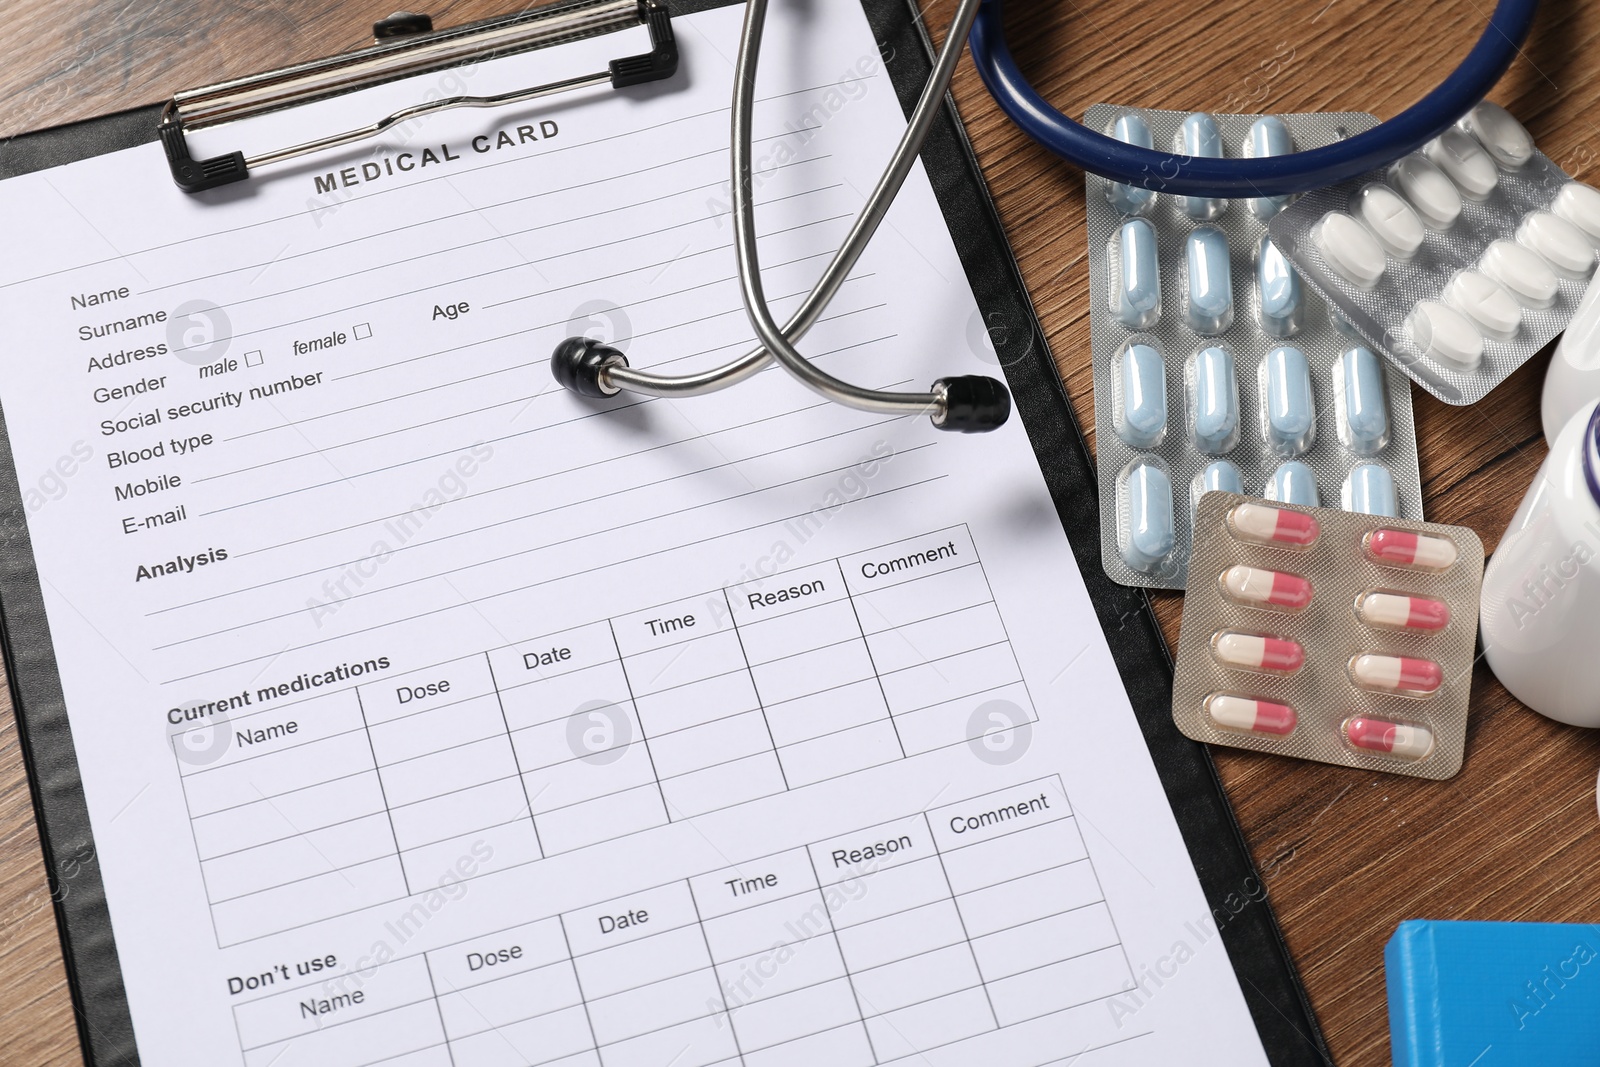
x: 1268, y: 176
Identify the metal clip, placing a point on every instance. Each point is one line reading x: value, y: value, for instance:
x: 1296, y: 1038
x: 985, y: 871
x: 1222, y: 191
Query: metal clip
x: 406, y: 45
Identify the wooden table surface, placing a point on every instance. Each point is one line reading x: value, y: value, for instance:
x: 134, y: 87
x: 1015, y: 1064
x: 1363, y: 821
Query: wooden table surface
x: 1346, y: 854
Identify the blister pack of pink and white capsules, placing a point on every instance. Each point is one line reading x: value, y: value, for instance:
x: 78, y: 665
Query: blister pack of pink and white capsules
x: 1329, y: 635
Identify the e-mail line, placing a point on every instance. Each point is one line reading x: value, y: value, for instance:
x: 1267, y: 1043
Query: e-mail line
x: 675, y: 443
x: 499, y: 522
x: 612, y: 493
x: 763, y: 524
x: 565, y: 470
x: 677, y: 511
x: 858, y: 344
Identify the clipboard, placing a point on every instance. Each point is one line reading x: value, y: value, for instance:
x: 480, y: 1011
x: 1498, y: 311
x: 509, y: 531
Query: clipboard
x: 1226, y: 872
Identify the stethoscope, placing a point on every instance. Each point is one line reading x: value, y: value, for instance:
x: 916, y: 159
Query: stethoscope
x: 974, y: 403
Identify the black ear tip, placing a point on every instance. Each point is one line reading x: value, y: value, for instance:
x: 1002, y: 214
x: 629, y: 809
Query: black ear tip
x: 577, y: 362
x: 973, y: 404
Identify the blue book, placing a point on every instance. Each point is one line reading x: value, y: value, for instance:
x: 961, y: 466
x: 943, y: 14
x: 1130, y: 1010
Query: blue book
x: 1464, y: 994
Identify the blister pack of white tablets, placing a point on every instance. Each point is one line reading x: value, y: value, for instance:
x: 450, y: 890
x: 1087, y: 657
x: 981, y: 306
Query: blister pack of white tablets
x: 1214, y: 366
x: 1458, y: 262
x: 1329, y: 636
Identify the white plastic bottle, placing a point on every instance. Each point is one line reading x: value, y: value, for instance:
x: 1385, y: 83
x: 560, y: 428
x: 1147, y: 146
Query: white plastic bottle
x: 1574, y: 375
x: 1541, y: 592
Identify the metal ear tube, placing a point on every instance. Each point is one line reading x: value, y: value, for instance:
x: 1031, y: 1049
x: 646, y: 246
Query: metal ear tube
x: 968, y: 403
x: 964, y: 404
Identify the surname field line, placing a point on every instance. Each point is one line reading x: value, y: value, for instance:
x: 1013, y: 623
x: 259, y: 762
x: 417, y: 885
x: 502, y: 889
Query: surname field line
x: 321, y: 451
x: 432, y: 286
x: 681, y: 441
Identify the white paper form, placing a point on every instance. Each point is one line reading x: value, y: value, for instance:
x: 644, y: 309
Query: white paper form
x: 428, y: 714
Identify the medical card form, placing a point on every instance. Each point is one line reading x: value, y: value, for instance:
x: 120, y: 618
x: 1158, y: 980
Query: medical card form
x: 429, y: 715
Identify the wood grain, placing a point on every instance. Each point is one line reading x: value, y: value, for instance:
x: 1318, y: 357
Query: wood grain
x: 1350, y: 854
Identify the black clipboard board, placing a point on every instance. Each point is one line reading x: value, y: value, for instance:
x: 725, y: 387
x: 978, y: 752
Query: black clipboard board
x: 1222, y: 861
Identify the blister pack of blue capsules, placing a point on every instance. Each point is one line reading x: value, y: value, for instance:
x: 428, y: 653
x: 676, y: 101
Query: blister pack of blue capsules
x: 1459, y: 262
x: 1215, y: 367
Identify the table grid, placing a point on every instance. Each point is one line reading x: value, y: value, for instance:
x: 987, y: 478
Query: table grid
x: 376, y: 792
x: 871, y: 947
